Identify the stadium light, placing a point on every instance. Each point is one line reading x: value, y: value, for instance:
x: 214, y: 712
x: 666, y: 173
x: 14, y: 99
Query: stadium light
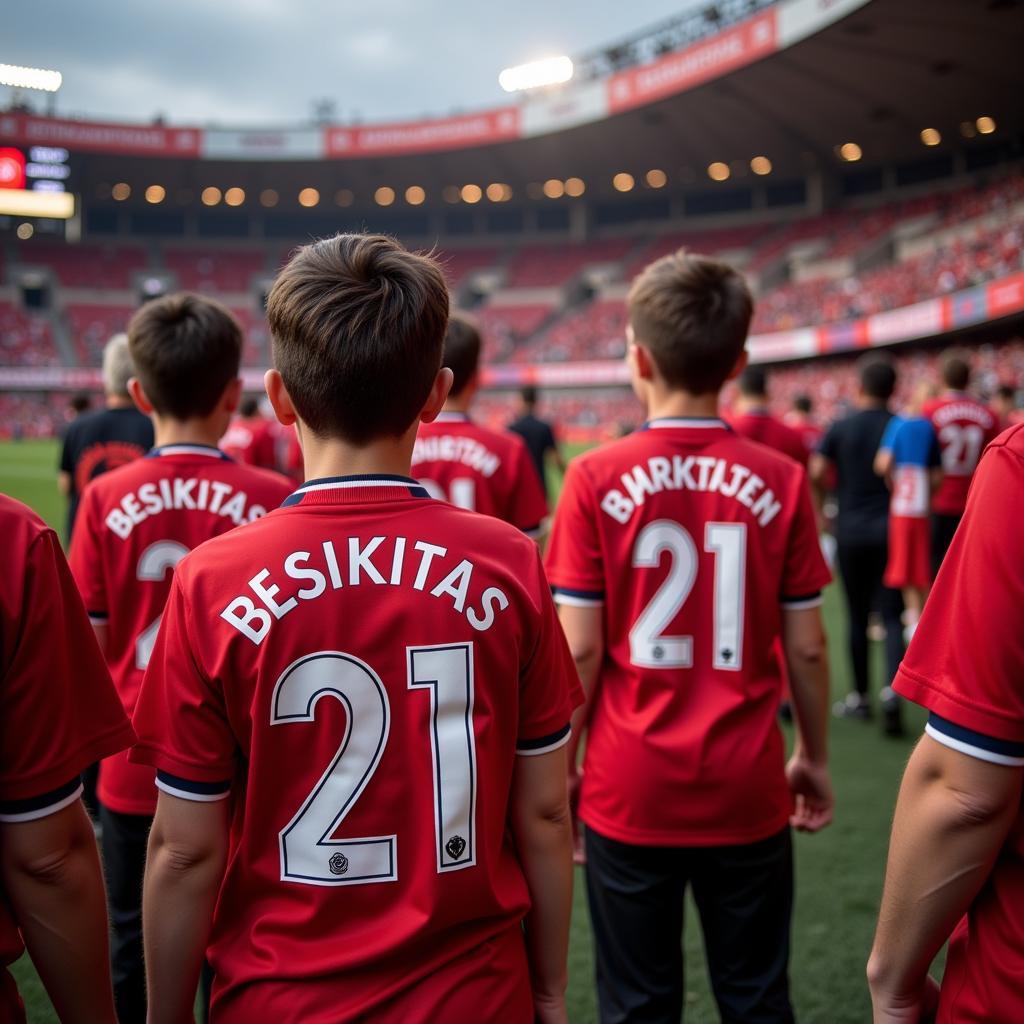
x: 549, y: 71
x: 985, y: 125
x: 656, y: 178
x: 623, y: 182
x: 575, y: 187
x: 554, y: 189
x: 384, y: 196
x: 18, y: 77
x: 719, y: 171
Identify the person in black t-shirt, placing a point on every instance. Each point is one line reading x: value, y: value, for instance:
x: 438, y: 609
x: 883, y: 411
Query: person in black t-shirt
x: 538, y: 435
x: 862, y: 528
x: 99, y: 441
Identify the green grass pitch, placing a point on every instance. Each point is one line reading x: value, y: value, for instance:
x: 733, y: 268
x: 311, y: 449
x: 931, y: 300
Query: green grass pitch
x: 838, y: 873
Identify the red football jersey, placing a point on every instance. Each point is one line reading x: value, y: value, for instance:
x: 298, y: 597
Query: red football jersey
x: 482, y: 469
x: 58, y: 710
x: 693, y: 540
x: 251, y: 441
x: 361, y: 667
x: 963, y: 426
x: 761, y: 426
x: 134, y: 525
x: 964, y: 665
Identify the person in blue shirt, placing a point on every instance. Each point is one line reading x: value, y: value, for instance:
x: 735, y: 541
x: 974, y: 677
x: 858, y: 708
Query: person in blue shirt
x: 910, y: 460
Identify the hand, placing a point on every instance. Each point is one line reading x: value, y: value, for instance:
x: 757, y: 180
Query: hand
x: 812, y: 794
x: 549, y: 1009
x: 579, y: 854
x: 918, y: 1007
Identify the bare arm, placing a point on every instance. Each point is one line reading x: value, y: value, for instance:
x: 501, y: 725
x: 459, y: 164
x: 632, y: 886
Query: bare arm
x: 185, y: 865
x: 52, y: 877
x: 584, y: 631
x: 883, y: 465
x: 952, y: 817
x: 64, y: 483
x: 543, y: 835
x: 803, y: 640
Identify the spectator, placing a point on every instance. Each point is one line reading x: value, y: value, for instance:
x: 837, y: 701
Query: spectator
x: 99, y: 441
x: 862, y: 526
x: 538, y: 435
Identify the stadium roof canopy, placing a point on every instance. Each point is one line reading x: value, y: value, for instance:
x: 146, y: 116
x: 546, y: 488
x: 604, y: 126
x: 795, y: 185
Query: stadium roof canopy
x: 793, y: 82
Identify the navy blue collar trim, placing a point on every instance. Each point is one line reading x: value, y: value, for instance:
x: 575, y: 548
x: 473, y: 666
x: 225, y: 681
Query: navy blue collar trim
x: 342, y: 483
x: 189, y: 449
x: 697, y: 422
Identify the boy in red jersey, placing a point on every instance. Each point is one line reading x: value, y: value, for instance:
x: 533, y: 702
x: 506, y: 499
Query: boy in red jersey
x: 963, y: 426
x: 249, y: 438
x: 473, y: 466
x: 343, y: 702
x: 956, y: 859
x: 678, y: 556
x: 134, y: 524
x: 58, y: 714
x: 750, y: 417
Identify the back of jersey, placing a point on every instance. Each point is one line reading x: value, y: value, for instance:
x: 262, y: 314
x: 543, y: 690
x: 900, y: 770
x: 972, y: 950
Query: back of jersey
x: 135, y: 524
x: 364, y: 664
x: 964, y: 427
x: 692, y: 540
x: 477, y: 468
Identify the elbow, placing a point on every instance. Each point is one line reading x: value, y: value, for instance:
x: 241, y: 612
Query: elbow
x: 974, y: 809
x: 586, y: 655
x: 179, y: 859
x: 51, y: 868
x: 810, y: 652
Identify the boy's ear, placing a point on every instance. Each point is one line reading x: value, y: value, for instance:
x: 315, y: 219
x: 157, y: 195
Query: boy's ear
x: 280, y: 400
x: 741, y: 365
x: 145, y: 406
x: 643, y: 364
x: 438, y: 395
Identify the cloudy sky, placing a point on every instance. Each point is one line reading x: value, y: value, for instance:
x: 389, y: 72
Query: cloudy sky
x: 265, y: 61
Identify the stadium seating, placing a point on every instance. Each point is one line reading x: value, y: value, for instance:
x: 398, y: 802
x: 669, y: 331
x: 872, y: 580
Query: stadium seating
x: 537, y: 266
x: 25, y: 339
x: 215, y: 270
x: 86, y: 265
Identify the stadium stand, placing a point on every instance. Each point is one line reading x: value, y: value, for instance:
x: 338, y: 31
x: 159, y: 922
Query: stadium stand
x: 25, y: 339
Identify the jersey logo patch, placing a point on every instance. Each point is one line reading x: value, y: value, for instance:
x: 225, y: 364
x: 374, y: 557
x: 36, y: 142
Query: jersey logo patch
x: 456, y: 847
x: 338, y: 864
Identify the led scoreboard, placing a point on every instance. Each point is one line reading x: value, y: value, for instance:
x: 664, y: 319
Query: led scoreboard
x: 33, y: 182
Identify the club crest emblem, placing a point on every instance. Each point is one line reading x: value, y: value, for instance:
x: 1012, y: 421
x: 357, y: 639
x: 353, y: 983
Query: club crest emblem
x: 338, y: 864
x: 456, y: 847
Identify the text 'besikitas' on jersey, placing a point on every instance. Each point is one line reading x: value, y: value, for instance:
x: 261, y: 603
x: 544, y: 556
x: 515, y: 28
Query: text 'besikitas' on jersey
x: 384, y: 561
x: 691, y: 473
x: 175, y: 493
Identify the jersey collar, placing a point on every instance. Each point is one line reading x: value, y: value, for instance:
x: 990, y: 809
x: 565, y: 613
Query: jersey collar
x: 686, y: 423
x: 360, y: 487
x: 452, y: 417
x: 206, y: 450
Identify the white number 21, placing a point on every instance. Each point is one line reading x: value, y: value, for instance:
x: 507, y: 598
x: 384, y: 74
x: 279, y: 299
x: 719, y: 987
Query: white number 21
x: 308, y: 854
x: 727, y: 542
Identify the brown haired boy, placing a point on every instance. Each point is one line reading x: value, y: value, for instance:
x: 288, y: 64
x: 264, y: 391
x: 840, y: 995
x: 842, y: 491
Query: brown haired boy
x: 134, y: 525
x: 384, y: 679
x: 470, y: 465
x: 678, y: 556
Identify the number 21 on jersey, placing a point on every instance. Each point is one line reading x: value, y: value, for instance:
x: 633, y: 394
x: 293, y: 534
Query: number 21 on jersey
x: 649, y: 647
x: 308, y: 853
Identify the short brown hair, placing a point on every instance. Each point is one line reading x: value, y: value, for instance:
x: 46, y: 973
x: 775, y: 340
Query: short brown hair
x: 358, y: 325
x: 461, y: 350
x: 692, y: 313
x: 956, y: 371
x: 186, y: 350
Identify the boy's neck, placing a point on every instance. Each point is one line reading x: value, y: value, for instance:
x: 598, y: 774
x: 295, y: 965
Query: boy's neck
x: 458, y: 403
x: 751, y: 403
x: 332, y: 457
x: 198, y: 431
x: 682, y: 405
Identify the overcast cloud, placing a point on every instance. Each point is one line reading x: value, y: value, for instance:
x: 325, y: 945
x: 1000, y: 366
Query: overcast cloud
x: 265, y: 61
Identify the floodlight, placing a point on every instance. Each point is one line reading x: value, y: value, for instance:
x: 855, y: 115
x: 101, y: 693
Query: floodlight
x: 30, y: 78
x: 549, y: 71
